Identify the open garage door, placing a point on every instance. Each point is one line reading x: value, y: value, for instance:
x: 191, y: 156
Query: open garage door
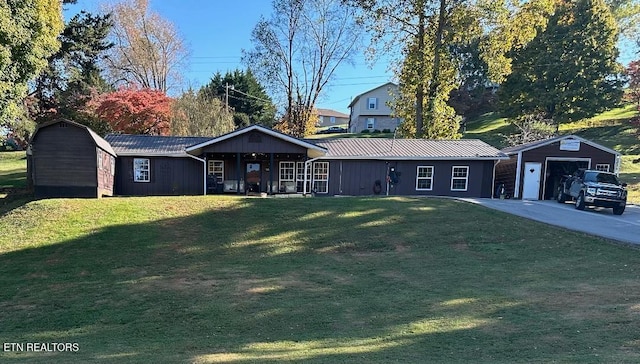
x: 554, y: 171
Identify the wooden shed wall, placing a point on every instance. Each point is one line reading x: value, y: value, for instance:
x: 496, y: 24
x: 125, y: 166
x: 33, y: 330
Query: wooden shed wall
x: 168, y: 176
x: 254, y: 142
x: 357, y: 177
x: 64, y: 162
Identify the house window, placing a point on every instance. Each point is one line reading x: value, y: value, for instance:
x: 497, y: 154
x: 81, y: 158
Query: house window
x: 300, y: 177
x: 371, y: 123
x: 141, y: 170
x: 113, y: 165
x: 372, y: 103
x: 287, y: 171
x: 424, y: 178
x: 216, y: 168
x: 333, y: 119
x: 604, y: 167
x: 459, y: 178
x: 99, y: 159
x: 321, y: 177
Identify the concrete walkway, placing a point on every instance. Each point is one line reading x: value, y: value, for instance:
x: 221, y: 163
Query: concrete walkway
x: 595, y: 221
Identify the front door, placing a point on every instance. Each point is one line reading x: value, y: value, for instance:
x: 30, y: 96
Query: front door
x: 531, y: 187
x: 253, y: 177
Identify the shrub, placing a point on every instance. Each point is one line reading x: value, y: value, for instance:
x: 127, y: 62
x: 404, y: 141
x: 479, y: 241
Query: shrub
x: 388, y: 131
x: 377, y: 131
x: 365, y: 131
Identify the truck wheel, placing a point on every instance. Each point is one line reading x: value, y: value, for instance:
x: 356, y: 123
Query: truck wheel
x: 561, y: 196
x: 580, y: 201
x: 618, y: 210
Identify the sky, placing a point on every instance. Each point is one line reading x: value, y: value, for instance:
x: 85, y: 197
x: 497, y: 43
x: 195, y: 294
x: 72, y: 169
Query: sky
x: 217, y: 31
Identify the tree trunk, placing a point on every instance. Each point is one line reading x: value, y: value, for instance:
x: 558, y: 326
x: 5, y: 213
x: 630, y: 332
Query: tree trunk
x: 421, y: 70
x: 435, y: 74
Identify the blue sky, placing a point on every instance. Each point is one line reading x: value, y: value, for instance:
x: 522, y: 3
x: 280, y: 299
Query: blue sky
x: 217, y: 31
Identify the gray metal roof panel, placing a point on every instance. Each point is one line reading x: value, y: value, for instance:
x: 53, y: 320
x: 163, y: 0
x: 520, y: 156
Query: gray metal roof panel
x: 409, y: 148
x: 128, y: 144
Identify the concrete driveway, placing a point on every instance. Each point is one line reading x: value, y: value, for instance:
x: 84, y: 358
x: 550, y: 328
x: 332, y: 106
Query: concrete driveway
x: 593, y: 220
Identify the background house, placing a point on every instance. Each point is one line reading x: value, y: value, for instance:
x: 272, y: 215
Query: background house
x: 370, y: 110
x: 328, y: 117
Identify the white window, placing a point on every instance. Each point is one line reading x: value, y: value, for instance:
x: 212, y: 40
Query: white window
x: 372, y: 103
x: 371, y: 123
x: 321, y: 177
x: 300, y: 177
x: 604, y: 167
x: 459, y: 178
x: 113, y: 165
x: 424, y: 178
x: 141, y: 170
x: 287, y: 172
x: 216, y: 168
x: 333, y: 119
x: 99, y: 159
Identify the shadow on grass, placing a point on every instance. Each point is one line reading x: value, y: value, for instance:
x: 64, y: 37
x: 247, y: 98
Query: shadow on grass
x: 12, y: 198
x: 619, y: 136
x: 328, y: 280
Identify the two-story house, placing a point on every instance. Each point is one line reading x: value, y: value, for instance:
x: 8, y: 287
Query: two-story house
x: 328, y: 117
x: 370, y: 110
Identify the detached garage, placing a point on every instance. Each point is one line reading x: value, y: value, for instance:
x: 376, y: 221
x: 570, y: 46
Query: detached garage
x: 534, y: 170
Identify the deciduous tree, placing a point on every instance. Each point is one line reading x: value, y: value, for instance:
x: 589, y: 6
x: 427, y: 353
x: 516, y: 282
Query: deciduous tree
x: 135, y: 110
x: 196, y: 114
x: 28, y: 36
x: 569, y: 71
x: 148, y: 50
x: 297, y: 51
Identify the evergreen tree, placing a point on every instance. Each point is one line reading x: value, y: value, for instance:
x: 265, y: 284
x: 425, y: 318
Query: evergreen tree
x: 569, y: 70
x: 246, y: 97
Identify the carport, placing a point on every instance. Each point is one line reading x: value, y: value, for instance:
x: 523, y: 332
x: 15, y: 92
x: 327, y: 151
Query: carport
x: 534, y: 170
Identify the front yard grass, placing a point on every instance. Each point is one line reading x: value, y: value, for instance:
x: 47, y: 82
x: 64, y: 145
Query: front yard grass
x: 319, y: 280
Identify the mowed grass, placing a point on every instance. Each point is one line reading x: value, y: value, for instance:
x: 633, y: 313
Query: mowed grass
x: 13, y: 166
x: 318, y: 280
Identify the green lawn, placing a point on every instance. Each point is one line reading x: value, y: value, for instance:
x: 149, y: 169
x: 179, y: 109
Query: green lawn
x: 12, y: 170
x: 319, y: 280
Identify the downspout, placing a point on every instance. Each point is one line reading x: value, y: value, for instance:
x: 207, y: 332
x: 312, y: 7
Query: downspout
x: 306, y: 165
x: 493, y: 183
x: 516, y: 192
x: 204, y: 171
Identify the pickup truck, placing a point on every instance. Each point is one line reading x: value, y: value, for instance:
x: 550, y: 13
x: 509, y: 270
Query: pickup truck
x: 594, y: 188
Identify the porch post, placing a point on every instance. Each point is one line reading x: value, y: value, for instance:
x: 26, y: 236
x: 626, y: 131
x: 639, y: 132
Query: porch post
x: 270, y: 192
x: 238, y: 167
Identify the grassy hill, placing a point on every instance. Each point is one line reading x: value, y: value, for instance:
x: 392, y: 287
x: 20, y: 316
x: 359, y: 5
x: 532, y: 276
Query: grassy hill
x: 238, y: 280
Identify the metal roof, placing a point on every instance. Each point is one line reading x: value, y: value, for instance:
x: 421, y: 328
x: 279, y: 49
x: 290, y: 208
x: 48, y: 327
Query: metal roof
x: 152, y: 145
x: 420, y: 149
x: 541, y: 143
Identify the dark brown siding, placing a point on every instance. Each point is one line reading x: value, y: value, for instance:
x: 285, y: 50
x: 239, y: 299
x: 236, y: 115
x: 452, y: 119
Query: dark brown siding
x: 105, y: 173
x: 254, y: 142
x: 540, y: 155
x: 506, y: 174
x: 64, y: 157
x: 358, y: 177
x: 168, y: 176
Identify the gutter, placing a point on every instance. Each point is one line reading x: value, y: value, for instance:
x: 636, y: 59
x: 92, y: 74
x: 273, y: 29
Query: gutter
x: 204, y: 172
x: 516, y: 192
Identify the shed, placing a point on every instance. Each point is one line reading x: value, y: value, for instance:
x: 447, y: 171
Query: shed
x: 67, y: 159
x: 534, y: 170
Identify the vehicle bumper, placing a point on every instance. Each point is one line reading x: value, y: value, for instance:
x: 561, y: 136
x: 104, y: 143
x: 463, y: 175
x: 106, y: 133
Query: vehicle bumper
x: 603, y: 202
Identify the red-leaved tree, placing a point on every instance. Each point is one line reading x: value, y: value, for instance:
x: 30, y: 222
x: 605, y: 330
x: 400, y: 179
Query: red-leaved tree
x: 135, y: 111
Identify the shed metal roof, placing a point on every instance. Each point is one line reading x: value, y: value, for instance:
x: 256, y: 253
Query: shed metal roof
x: 329, y: 112
x: 100, y: 142
x: 422, y: 149
x: 541, y: 143
x: 152, y: 145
